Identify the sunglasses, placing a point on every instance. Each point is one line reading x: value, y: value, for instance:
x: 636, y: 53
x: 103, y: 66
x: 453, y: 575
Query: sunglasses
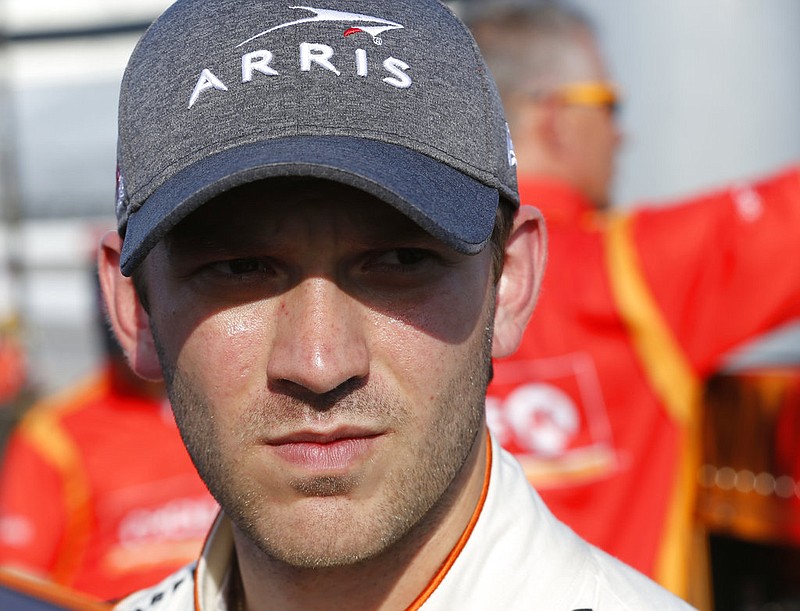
x: 599, y: 94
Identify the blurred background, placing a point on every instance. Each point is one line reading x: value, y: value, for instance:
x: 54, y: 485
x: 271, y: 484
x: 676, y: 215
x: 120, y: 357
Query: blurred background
x: 712, y: 95
x: 60, y: 67
x: 711, y: 88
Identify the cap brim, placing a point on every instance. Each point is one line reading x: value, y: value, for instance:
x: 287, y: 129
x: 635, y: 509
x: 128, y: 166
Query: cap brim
x: 451, y: 206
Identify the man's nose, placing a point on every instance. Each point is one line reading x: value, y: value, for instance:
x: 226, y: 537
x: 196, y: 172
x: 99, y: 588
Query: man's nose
x: 319, y: 343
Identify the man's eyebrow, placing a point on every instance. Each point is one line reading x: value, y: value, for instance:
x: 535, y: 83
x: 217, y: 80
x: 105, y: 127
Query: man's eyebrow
x: 209, y: 244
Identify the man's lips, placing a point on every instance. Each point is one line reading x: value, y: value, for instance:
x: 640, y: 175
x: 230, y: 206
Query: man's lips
x: 324, y: 452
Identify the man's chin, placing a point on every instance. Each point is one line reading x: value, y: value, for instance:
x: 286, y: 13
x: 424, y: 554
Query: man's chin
x: 324, y: 485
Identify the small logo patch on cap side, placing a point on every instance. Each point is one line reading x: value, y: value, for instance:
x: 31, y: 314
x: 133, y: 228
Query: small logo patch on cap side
x: 120, y: 207
x: 512, y: 156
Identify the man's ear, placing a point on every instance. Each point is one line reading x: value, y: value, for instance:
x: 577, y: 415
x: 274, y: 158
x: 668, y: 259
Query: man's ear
x: 518, y: 288
x: 125, y: 312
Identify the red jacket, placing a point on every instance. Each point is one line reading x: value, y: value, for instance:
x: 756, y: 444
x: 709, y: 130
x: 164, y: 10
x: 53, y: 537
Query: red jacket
x: 97, y: 492
x: 600, y: 402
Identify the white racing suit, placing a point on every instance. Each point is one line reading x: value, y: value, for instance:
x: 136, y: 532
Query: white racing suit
x: 518, y: 557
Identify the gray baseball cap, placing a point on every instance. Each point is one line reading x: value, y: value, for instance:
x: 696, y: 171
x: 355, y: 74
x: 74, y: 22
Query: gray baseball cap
x: 389, y: 97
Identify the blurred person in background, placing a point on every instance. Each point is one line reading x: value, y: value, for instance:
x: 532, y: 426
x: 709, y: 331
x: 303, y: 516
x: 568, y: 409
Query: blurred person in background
x: 97, y: 492
x: 17, y: 392
x: 13, y: 364
x: 601, y: 402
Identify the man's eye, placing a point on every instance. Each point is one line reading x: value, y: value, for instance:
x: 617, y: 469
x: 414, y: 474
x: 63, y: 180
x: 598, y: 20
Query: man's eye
x: 404, y: 256
x: 238, y: 267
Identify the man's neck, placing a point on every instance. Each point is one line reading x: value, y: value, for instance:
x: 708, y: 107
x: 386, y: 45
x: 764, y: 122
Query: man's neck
x: 392, y: 580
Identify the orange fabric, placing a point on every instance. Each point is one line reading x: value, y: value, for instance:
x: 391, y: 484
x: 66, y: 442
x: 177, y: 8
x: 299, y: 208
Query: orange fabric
x: 576, y: 405
x: 62, y: 597
x: 55, y: 446
x: 98, y: 493
x: 677, y: 387
x: 462, y: 540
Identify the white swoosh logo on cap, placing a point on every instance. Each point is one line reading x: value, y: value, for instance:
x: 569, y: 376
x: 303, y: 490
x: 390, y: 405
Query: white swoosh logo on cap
x: 321, y: 14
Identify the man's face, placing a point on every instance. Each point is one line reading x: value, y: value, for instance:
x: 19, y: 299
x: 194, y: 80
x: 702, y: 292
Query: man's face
x: 327, y: 362
x: 597, y: 141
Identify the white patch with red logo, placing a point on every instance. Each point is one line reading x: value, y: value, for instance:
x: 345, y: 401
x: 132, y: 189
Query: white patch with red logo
x: 551, y: 415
